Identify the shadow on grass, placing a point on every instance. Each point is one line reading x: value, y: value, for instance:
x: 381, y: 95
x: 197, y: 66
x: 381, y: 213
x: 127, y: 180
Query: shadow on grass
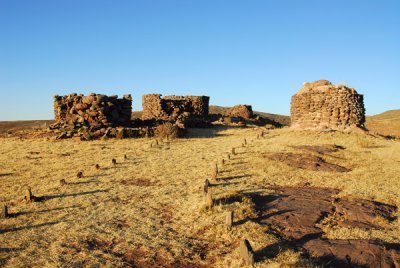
x: 236, y: 177
x: 49, y: 197
x: 5, y: 174
x: 29, y: 227
x: 83, y: 182
x: 10, y: 250
x: 40, y: 211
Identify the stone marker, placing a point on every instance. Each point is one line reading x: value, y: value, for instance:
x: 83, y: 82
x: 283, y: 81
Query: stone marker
x: 97, y: 166
x: 4, y: 212
x: 229, y: 219
x: 206, y: 186
x: 209, y: 200
x: 79, y: 174
x: 233, y: 151
x: 246, y: 252
x: 29, y: 197
x: 63, y: 182
x: 114, y: 161
x: 214, y: 174
x: 216, y: 167
x: 125, y: 157
x: 222, y: 162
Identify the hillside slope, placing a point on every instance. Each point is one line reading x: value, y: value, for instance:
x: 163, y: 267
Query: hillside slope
x: 387, y: 123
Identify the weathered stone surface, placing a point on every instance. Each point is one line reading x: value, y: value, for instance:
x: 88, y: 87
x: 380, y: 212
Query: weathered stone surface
x: 322, y: 105
x: 354, y: 253
x: 242, y: 111
x: 297, y: 214
x: 174, y: 107
x: 95, y: 110
x: 306, y: 161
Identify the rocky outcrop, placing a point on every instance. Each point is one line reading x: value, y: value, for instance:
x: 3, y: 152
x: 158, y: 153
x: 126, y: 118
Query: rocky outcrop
x: 322, y: 105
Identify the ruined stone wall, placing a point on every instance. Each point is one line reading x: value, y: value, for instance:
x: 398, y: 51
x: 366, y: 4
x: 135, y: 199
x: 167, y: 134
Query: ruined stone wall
x: 95, y: 110
x: 322, y: 105
x: 174, y: 107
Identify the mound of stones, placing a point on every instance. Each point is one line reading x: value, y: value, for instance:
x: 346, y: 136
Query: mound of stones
x: 241, y: 111
x: 321, y: 105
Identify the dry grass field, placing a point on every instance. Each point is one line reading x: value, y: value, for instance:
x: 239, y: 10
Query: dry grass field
x: 387, y: 123
x: 148, y: 210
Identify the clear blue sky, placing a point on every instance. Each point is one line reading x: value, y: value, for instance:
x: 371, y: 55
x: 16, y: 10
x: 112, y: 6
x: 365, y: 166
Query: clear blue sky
x: 250, y: 51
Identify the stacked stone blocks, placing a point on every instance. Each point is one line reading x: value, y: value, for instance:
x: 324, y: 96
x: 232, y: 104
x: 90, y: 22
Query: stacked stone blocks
x: 322, y: 105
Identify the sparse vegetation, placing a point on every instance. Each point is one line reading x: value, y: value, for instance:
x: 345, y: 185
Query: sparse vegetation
x: 126, y: 213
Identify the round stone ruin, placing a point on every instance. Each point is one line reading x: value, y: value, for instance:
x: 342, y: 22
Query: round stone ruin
x: 320, y: 105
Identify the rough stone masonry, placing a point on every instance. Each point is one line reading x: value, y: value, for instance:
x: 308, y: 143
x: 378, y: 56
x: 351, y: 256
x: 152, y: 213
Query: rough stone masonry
x: 321, y: 105
x: 174, y: 107
x: 94, y: 110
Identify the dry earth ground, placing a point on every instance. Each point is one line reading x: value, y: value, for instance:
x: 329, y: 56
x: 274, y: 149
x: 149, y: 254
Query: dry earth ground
x: 148, y: 210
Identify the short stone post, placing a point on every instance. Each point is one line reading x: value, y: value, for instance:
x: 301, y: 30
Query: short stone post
x: 4, y: 212
x: 114, y: 161
x: 206, y: 186
x: 29, y: 197
x: 63, y: 182
x: 229, y: 219
x: 209, y: 200
x: 246, y: 252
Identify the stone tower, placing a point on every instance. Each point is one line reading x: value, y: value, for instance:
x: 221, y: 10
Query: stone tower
x: 321, y: 105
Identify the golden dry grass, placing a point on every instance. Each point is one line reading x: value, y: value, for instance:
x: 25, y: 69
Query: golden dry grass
x: 387, y: 123
x: 151, y: 205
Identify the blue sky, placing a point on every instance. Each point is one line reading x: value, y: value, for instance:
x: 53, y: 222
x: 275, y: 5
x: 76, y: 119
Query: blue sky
x: 237, y: 52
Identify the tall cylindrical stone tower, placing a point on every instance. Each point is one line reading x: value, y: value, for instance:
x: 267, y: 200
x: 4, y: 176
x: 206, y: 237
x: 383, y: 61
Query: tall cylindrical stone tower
x: 321, y: 105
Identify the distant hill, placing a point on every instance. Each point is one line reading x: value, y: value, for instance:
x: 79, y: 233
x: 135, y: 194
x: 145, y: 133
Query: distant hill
x: 387, y: 123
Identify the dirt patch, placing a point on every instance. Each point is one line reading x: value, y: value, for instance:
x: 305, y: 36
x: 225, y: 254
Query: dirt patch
x: 306, y: 161
x: 320, y: 149
x: 295, y: 214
